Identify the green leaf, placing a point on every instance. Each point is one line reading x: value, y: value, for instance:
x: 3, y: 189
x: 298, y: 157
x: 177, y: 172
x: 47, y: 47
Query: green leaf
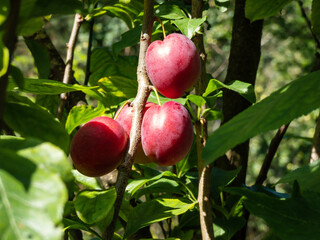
x: 4, y: 57
x: 29, y: 26
x: 88, y: 182
x: 35, y: 122
x: 153, y: 211
x: 82, y: 114
x: 261, y: 9
x: 153, y: 98
x: 197, y: 100
x: 169, y: 11
x: 128, y: 39
x: 93, y: 206
x: 134, y: 185
x: 24, y: 213
x: 188, y: 26
x: 190, y: 161
x: 293, y: 218
x: 4, y: 10
x: 210, y: 114
x: 17, y: 76
x: 50, y: 87
x: 39, y: 8
x: 244, y: 89
x: 128, y: 11
x: 41, y: 57
x: 307, y: 176
x: 220, y: 179
x: 18, y: 166
x: 119, y: 86
x: 32, y: 195
x: 105, y: 64
x: 45, y: 155
x: 224, y: 229
x: 162, y: 185
x: 119, y: 12
x: 71, y: 224
x: 315, y: 17
x: 291, y: 101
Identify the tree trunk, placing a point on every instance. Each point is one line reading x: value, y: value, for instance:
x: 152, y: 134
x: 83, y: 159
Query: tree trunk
x: 243, y: 64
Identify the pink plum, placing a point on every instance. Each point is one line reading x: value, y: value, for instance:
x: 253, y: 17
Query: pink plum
x: 173, y: 65
x: 166, y: 133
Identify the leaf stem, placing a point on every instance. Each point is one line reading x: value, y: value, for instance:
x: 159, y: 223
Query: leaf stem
x: 163, y: 30
x: 157, y: 95
x: 120, y: 109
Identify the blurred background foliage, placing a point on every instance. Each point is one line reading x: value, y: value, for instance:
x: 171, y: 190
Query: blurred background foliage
x: 287, y: 53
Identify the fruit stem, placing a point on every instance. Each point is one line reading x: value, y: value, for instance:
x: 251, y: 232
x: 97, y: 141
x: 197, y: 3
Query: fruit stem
x: 163, y: 30
x: 157, y: 95
x: 120, y: 109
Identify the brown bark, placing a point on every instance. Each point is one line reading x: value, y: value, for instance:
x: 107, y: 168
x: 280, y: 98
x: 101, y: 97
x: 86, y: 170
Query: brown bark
x: 204, y: 171
x: 275, y: 142
x: 243, y: 64
x: 69, y: 62
x: 138, y: 107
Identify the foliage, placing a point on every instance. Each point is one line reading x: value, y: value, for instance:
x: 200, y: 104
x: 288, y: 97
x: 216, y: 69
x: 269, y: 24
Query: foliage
x: 43, y: 197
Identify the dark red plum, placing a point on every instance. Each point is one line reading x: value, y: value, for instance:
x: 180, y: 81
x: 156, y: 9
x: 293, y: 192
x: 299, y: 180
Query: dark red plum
x: 98, y: 147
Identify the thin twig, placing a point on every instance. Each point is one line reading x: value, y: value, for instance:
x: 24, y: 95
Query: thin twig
x: 303, y: 12
x: 9, y: 40
x: 69, y: 61
x: 138, y: 107
x: 204, y: 170
x: 315, y: 151
x: 86, y: 80
x: 270, y: 154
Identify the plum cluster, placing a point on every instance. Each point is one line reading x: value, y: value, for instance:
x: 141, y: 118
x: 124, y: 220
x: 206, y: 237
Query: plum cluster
x: 173, y: 66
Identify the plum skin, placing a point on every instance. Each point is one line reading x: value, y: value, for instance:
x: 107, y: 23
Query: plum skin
x: 167, y: 133
x: 173, y: 65
x: 125, y: 120
x: 98, y: 147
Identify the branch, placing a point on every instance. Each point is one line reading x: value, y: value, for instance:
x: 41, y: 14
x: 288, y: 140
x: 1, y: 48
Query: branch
x: 9, y: 39
x: 275, y: 142
x: 303, y: 12
x: 204, y: 171
x: 315, y: 151
x: 86, y: 80
x: 69, y: 60
x: 138, y: 107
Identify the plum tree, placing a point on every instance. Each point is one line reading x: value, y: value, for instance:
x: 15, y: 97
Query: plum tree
x: 173, y: 65
x: 98, y: 147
